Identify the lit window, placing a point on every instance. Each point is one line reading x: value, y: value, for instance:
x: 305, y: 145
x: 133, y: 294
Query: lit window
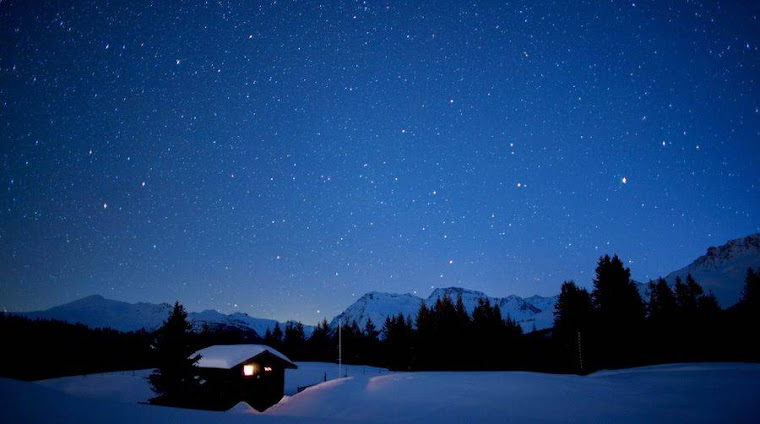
x: 268, y: 369
x: 248, y: 370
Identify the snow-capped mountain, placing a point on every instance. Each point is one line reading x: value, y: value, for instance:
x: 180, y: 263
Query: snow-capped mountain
x: 378, y: 306
x: 98, y: 312
x: 535, y: 314
x: 723, y: 268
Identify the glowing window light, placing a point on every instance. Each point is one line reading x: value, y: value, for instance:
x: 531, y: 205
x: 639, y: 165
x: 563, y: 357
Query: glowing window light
x: 248, y: 370
x: 268, y: 369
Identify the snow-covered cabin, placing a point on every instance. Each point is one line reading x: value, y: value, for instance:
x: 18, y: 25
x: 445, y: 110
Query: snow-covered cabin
x: 248, y: 372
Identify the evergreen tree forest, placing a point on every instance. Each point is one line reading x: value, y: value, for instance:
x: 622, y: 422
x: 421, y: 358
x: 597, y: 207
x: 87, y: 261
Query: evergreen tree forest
x: 175, y: 378
x: 615, y: 323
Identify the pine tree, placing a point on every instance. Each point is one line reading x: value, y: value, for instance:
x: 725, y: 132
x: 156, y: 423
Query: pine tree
x: 662, y: 304
x: 572, y: 321
x: 397, y: 342
x: 294, y: 340
x: 370, y: 330
x: 618, y: 315
x: 746, y: 316
x: 750, y: 297
x: 175, y: 379
x: 274, y: 338
x: 687, y: 296
x: 572, y: 312
x: 319, y: 343
x: 615, y: 296
x: 423, y: 338
x: 662, y: 314
x: 371, y: 341
x: 487, y: 335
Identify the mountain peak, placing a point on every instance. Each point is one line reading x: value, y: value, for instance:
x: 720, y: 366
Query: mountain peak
x: 96, y: 311
x: 716, y: 255
x: 378, y: 306
x: 723, y: 268
x: 454, y: 292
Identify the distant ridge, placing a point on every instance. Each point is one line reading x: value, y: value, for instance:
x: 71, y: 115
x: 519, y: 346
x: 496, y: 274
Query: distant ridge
x: 536, y: 313
x: 721, y: 270
x: 98, y: 312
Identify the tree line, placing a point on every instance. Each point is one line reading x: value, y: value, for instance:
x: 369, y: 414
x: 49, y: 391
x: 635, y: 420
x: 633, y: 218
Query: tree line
x: 611, y: 326
x: 614, y: 326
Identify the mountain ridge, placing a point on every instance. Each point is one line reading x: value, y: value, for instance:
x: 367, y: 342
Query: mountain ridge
x: 96, y: 311
x: 378, y: 305
x: 721, y: 270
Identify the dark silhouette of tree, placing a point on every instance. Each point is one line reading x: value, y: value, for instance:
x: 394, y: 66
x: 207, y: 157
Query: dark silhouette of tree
x: 397, y: 334
x: 494, y: 341
x: 371, y: 342
x: 750, y: 297
x: 274, y: 338
x: 618, y: 316
x: 370, y: 330
x: 572, y: 320
x: 175, y: 379
x: 27, y: 347
x: 319, y: 346
x: 487, y: 336
x: 687, y: 296
x: 662, y: 305
x: 294, y: 340
x: 353, y: 343
x: 743, y: 319
x: 424, y: 338
x: 662, y: 316
x: 615, y: 296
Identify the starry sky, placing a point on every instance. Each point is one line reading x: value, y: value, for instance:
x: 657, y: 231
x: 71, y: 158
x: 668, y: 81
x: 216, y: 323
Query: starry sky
x: 282, y: 159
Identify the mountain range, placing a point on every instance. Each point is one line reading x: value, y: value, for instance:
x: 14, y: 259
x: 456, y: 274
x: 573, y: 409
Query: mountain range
x: 98, y: 312
x: 533, y: 313
x: 721, y: 270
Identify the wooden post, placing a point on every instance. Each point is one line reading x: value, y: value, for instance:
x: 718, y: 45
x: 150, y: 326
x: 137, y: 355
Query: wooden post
x: 580, y: 351
x: 340, y: 349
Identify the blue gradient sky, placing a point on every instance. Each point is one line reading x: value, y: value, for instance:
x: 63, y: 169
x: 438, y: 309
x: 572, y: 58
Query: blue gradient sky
x: 282, y: 159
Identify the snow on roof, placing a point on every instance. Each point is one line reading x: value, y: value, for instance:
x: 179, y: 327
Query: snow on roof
x: 228, y: 356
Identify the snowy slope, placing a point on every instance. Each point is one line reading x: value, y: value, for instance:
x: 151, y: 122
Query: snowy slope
x: 674, y: 393
x: 378, y: 306
x: 99, y: 312
x: 537, y: 313
x: 119, y: 386
x: 723, y: 268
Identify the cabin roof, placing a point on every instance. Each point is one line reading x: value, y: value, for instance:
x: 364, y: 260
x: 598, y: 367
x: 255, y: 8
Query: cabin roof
x: 229, y: 356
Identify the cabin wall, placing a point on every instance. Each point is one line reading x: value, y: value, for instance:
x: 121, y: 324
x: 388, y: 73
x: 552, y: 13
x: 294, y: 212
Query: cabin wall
x: 224, y: 388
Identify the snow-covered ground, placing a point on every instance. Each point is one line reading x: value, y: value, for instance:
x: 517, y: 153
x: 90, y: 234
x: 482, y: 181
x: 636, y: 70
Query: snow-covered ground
x: 121, y: 386
x: 688, y: 393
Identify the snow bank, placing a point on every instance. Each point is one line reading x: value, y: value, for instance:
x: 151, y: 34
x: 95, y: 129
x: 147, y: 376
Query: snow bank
x: 678, y: 393
x: 312, y: 373
x: 122, y: 386
x: 690, y: 393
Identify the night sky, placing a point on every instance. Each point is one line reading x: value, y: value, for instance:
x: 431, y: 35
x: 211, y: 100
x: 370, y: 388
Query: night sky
x: 282, y: 159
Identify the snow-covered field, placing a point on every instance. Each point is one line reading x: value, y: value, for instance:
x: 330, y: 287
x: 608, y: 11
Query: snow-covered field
x: 687, y: 393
